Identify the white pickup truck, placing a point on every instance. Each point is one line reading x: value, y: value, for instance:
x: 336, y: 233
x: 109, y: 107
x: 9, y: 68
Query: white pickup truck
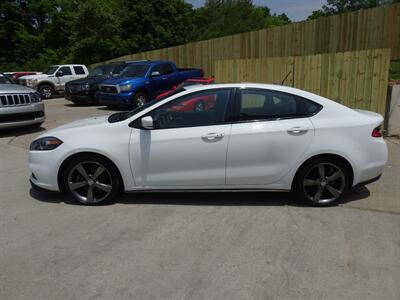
x: 54, y: 79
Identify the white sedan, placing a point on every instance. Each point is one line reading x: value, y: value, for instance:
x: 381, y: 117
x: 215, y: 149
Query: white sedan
x: 243, y: 136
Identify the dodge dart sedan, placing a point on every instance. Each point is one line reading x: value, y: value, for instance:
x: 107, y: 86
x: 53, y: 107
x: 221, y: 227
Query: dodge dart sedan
x: 253, y: 137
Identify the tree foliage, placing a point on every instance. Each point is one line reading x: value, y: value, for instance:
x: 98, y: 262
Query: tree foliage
x: 334, y: 7
x: 37, y: 33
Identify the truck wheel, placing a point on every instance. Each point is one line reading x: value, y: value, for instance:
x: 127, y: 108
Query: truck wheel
x: 46, y: 91
x: 140, y: 99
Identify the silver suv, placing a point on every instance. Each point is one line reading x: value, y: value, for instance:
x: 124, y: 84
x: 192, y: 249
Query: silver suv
x: 19, y: 105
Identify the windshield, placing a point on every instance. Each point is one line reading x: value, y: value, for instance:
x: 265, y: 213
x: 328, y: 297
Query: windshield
x: 105, y: 70
x: 134, y: 70
x: 51, y: 70
x: 4, y: 79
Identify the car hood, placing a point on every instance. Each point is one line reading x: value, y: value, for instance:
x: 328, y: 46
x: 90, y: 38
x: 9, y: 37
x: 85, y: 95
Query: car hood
x: 37, y: 76
x: 125, y: 80
x: 15, y: 88
x: 79, y: 124
x: 89, y: 80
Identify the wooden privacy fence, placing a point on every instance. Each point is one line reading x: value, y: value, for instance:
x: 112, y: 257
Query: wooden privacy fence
x: 359, y: 30
x: 357, y: 79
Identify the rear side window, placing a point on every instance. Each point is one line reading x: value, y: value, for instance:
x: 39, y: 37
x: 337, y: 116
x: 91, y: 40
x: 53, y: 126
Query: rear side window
x: 258, y: 104
x: 79, y: 70
x: 66, y: 70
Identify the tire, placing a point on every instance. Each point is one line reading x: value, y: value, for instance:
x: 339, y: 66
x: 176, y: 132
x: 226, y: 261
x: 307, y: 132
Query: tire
x: 199, y: 106
x: 140, y: 99
x: 322, y: 182
x: 91, y: 179
x: 46, y: 91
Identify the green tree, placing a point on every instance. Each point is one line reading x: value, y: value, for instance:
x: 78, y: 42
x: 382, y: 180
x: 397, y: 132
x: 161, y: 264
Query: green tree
x: 334, y: 7
x: 225, y: 17
x: 155, y: 24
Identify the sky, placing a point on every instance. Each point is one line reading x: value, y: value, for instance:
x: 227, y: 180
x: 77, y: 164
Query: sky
x: 296, y: 10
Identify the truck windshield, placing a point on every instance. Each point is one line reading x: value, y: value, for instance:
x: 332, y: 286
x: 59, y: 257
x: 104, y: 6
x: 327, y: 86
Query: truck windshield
x: 135, y: 70
x: 101, y: 70
x: 51, y: 70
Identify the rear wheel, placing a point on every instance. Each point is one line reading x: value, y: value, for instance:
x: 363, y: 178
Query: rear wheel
x: 322, y: 182
x: 46, y: 91
x: 91, y: 180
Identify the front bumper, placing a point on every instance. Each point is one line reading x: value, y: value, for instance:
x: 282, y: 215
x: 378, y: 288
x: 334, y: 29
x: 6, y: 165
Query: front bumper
x: 19, y: 116
x: 44, y: 166
x: 121, y: 99
x: 82, y: 97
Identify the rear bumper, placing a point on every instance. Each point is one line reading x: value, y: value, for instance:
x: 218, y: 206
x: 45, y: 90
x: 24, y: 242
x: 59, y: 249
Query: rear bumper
x: 24, y: 115
x: 122, y: 99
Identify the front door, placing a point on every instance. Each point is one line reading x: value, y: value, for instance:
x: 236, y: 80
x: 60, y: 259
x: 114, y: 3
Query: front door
x: 188, y: 146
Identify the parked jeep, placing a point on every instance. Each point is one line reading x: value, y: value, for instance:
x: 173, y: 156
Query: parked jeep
x: 19, y: 105
x: 54, y: 79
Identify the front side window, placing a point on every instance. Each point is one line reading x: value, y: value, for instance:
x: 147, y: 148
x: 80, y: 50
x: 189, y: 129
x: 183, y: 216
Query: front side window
x: 258, y: 104
x: 134, y: 70
x: 66, y: 70
x: 196, y: 109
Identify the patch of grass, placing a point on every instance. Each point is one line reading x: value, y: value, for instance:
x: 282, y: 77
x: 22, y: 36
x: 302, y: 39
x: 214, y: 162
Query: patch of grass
x: 395, y: 70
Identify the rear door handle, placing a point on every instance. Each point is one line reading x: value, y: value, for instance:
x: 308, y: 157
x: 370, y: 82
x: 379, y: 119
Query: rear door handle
x: 297, y: 130
x: 212, y: 136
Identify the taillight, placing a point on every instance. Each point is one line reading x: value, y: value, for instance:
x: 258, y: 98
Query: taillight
x: 377, y: 132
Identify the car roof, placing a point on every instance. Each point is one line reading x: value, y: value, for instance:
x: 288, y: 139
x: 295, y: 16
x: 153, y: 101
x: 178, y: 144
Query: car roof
x: 274, y: 87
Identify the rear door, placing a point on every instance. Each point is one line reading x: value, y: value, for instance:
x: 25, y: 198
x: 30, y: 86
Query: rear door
x: 271, y: 133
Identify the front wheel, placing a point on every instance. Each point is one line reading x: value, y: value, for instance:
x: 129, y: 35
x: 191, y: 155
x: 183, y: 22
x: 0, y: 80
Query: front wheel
x: 91, y: 180
x: 321, y: 182
x: 46, y: 91
x: 140, y: 99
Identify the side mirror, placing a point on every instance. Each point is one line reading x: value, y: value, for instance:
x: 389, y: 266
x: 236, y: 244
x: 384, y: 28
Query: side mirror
x: 147, y: 122
x: 155, y: 73
x: 59, y: 74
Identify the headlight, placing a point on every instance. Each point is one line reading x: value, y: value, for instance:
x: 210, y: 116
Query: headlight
x: 31, y: 81
x: 125, y: 88
x: 45, y: 144
x: 35, y: 97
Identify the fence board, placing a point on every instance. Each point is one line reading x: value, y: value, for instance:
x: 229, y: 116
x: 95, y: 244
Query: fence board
x: 360, y: 30
x: 357, y: 79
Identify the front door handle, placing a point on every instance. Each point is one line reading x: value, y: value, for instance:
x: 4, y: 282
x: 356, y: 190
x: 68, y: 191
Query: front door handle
x: 297, y: 130
x: 212, y: 136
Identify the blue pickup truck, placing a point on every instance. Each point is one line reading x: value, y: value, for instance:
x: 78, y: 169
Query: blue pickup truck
x: 141, y: 82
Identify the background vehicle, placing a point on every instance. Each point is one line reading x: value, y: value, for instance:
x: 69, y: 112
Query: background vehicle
x: 255, y: 136
x: 187, y: 82
x: 54, y: 79
x: 15, y: 75
x: 81, y: 91
x: 139, y: 82
x: 19, y: 105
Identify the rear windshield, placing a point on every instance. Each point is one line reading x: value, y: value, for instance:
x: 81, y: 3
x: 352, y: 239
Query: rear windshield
x: 135, y: 70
